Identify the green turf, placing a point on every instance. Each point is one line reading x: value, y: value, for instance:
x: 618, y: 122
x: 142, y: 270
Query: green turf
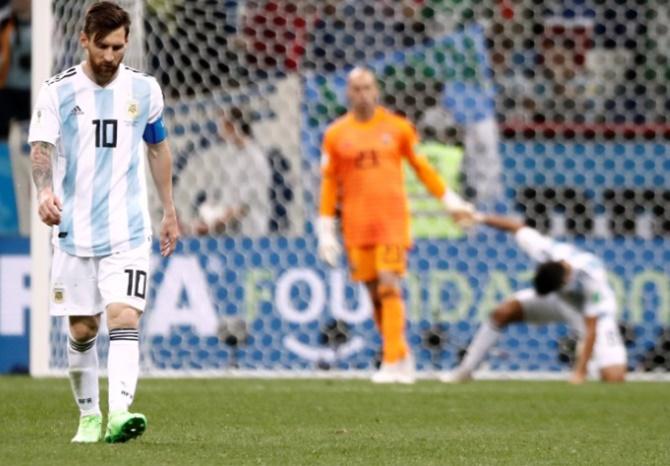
x: 349, y: 422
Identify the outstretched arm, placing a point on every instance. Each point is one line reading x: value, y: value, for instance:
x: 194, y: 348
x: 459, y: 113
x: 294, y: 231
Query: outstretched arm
x: 502, y: 223
x: 160, y: 162
x: 428, y: 175
x: 533, y: 243
x: 455, y: 206
x: 50, y: 206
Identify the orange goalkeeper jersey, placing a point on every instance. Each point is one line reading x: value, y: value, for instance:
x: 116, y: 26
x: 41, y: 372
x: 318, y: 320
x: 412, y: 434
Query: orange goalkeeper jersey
x: 362, y: 170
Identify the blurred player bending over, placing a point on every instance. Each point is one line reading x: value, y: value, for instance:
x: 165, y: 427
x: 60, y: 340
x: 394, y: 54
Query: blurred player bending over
x: 88, y: 124
x: 569, y: 286
x: 362, y: 171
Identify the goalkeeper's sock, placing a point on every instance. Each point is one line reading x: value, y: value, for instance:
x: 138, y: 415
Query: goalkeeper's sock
x: 487, y: 335
x: 123, y: 367
x: 392, y: 324
x: 83, y: 371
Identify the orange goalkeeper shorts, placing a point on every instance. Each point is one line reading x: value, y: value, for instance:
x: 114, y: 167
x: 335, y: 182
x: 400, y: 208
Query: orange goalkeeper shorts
x: 365, y: 263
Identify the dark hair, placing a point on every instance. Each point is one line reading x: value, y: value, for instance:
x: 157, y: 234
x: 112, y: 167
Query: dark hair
x: 104, y: 17
x: 549, y: 277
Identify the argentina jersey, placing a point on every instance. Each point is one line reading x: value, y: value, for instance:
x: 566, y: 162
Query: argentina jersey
x: 588, y: 288
x: 99, y: 168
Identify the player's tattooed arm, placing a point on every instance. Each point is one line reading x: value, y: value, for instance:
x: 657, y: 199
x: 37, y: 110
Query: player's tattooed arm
x: 40, y: 158
x: 49, y: 207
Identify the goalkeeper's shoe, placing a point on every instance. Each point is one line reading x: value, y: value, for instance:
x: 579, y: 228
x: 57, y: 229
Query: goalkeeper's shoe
x: 456, y: 376
x: 90, y: 429
x: 402, y: 371
x: 123, y: 426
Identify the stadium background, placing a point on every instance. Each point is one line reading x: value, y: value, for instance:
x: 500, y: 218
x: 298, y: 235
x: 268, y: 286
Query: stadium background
x: 579, y: 93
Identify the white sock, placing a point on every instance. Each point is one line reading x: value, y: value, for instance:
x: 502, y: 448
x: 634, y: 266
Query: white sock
x: 83, y: 370
x: 487, y: 335
x: 123, y: 367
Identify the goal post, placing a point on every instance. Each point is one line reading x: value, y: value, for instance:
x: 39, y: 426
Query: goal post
x: 40, y: 248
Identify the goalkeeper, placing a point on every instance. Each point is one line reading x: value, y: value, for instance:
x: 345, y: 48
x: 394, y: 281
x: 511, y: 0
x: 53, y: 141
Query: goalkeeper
x: 569, y: 286
x: 362, y: 170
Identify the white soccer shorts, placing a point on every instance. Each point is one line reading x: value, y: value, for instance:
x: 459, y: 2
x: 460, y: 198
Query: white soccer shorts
x: 85, y: 286
x: 609, y: 349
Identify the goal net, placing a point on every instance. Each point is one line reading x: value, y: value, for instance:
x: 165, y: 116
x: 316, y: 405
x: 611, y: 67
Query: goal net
x: 551, y: 111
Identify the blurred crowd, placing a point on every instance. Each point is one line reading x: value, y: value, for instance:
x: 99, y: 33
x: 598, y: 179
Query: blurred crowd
x: 577, y: 61
x: 250, y: 193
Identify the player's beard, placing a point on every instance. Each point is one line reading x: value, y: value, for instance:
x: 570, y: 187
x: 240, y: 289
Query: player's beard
x: 104, y: 71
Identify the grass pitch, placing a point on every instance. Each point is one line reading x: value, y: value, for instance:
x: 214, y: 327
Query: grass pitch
x: 336, y: 422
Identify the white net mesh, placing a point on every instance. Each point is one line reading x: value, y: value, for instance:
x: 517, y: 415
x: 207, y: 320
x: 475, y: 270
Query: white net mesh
x: 577, y: 91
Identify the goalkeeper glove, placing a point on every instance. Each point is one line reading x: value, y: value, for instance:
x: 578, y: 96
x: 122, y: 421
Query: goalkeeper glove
x: 455, y: 204
x: 463, y: 212
x: 329, y: 248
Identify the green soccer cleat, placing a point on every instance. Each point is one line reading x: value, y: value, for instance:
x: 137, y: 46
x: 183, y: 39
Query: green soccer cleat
x: 123, y: 426
x: 90, y: 429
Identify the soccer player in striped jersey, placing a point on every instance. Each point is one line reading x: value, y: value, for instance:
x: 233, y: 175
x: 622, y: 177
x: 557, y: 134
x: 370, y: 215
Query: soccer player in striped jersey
x: 570, y: 285
x: 87, y: 156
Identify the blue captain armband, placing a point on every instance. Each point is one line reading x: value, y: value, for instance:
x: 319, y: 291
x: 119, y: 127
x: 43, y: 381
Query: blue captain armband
x: 155, y: 132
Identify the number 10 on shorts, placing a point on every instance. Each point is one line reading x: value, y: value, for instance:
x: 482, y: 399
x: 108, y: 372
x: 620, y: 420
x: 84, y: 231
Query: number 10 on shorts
x: 137, y: 283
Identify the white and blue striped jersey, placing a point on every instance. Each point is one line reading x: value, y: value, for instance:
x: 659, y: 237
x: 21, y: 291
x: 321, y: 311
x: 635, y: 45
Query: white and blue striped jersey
x: 588, y: 289
x: 99, y: 168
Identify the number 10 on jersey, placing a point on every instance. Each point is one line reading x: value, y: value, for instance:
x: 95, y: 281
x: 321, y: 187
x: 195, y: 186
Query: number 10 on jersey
x: 105, y: 133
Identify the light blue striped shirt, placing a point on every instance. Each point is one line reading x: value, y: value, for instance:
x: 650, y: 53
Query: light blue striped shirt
x: 99, y: 170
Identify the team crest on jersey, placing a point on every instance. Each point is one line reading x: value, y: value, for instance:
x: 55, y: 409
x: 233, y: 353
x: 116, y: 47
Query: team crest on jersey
x: 59, y: 294
x: 133, y: 109
x: 386, y: 138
